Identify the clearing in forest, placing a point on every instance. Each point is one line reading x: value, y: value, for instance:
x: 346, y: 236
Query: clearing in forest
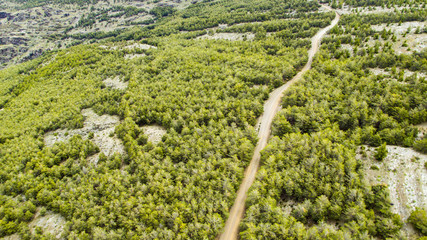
x: 404, y: 173
x: 102, y: 128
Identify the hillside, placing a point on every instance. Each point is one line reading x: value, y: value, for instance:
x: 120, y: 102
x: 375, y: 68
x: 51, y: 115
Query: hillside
x: 137, y: 119
x: 30, y: 28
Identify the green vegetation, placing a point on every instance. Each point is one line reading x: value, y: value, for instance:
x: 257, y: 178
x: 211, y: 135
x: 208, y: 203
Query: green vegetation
x: 13, y: 212
x: 207, y: 14
x: 421, y: 145
x: 418, y: 218
x: 106, y: 15
x: 206, y: 93
x: 381, y: 152
x: 311, y: 185
x: 36, y: 3
x: 383, y: 3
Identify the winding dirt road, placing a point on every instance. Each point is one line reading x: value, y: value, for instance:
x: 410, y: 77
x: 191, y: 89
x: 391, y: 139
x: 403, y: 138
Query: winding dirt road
x: 271, y: 107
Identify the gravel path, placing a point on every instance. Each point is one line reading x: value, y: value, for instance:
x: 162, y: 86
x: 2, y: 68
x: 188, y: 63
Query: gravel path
x: 271, y: 107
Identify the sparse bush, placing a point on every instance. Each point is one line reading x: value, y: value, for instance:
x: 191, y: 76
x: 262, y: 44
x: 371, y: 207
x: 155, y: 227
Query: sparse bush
x: 375, y: 167
x: 421, y: 145
x: 43, y: 211
x: 381, y: 152
x: 418, y: 219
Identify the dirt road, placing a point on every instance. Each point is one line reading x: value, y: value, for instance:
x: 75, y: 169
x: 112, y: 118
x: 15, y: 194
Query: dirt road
x: 271, y: 107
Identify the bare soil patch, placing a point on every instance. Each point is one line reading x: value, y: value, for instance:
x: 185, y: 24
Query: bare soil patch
x: 132, y: 56
x: 154, y: 133
x: 407, y: 41
x: 415, y: 42
x: 128, y: 45
x: 12, y: 237
x: 400, y: 28
x: 404, y: 173
x: 348, y: 47
x: 229, y: 36
x: 368, y: 10
x: 116, y: 83
x: 422, y: 129
x: 406, y: 73
x: 102, y: 128
x: 139, y: 46
x: 52, y: 223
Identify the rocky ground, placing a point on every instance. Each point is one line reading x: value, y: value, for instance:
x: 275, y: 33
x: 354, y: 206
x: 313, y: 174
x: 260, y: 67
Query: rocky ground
x: 388, y: 72
x: 154, y: 133
x: 229, y: 36
x: 116, y: 83
x: 48, y: 222
x: 51, y: 223
x: 27, y: 32
x: 102, y: 128
x: 409, y: 36
x: 369, y: 10
x: 404, y: 173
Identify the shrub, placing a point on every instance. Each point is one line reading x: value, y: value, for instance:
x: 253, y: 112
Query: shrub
x: 381, y: 152
x: 418, y: 219
x: 421, y: 145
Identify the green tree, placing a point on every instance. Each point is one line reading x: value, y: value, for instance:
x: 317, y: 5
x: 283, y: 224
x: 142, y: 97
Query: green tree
x: 418, y: 218
x: 381, y: 152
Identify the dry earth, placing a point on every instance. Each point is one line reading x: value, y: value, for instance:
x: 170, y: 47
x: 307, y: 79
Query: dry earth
x: 405, y: 34
x: 52, y: 223
x: 27, y: 33
x: 368, y: 10
x: 129, y: 46
x: 154, y: 133
x: 116, y: 83
x: 103, y: 129
x: 12, y: 237
x: 422, y: 129
x: 132, y: 56
x: 229, y: 36
x: 404, y: 172
x: 401, y: 28
x: 348, y: 47
x: 387, y: 72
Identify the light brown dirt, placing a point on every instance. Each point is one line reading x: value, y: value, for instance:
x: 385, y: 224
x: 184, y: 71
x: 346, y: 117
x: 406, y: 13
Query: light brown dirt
x: 154, y: 133
x: 368, y: 10
x: 271, y: 107
x: 422, y: 130
x: 102, y: 127
x: 229, y: 36
x: 52, y: 223
x: 405, y: 34
x: 400, y: 28
x: 116, y: 83
x: 12, y: 237
x: 132, y: 56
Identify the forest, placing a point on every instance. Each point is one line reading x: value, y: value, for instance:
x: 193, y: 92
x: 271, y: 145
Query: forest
x: 310, y: 182
x: 207, y: 95
x: 206, y: 14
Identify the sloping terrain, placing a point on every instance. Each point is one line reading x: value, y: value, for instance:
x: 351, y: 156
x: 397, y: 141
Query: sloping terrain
x: 405, y: 174
x: 30, y: 28
x: 311, y: 183
x: 152, y: 126
x: 271, y: 107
